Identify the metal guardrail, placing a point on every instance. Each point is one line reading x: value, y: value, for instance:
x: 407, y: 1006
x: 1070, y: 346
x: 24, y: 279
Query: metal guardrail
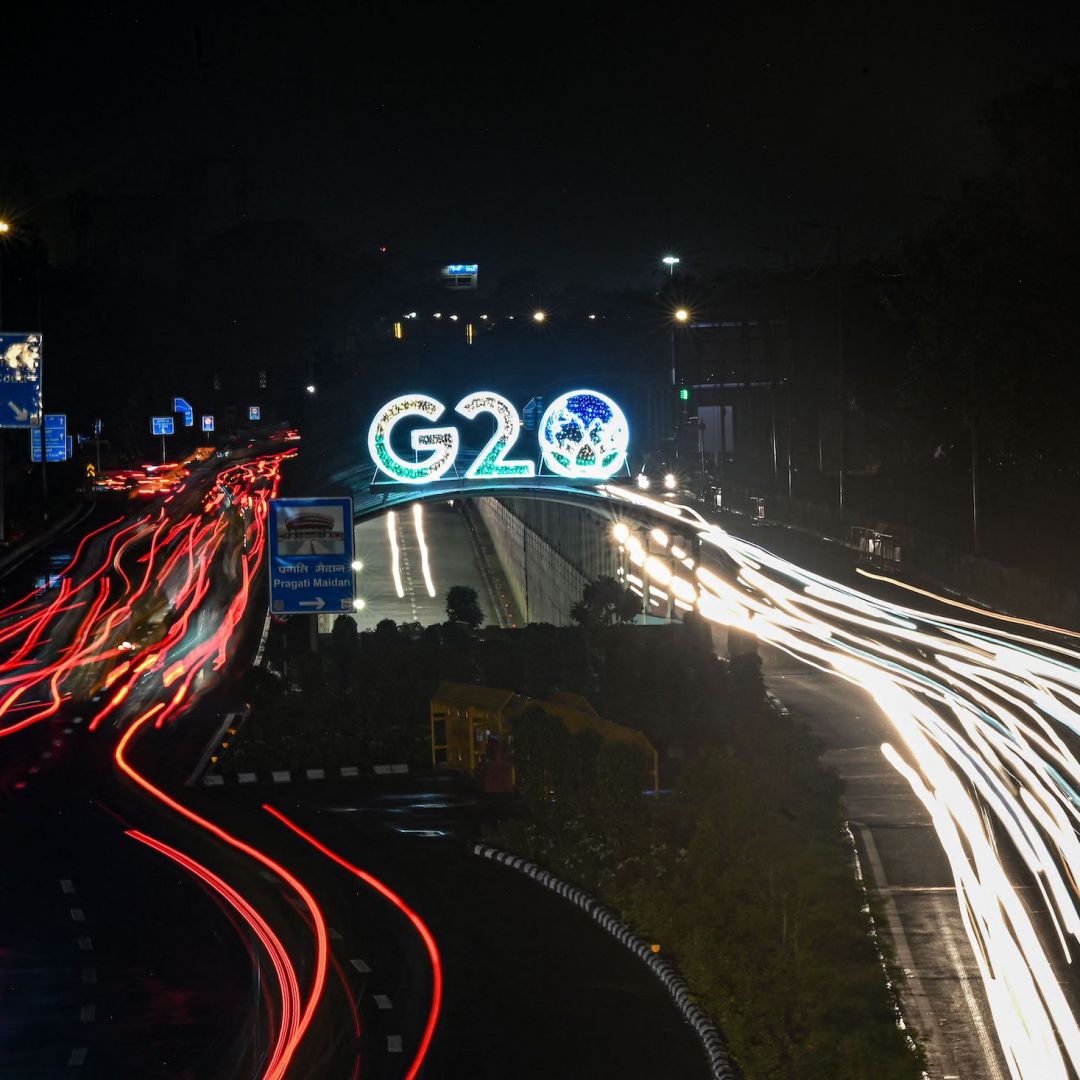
x: 874, y: 548
x: 712, y: 1040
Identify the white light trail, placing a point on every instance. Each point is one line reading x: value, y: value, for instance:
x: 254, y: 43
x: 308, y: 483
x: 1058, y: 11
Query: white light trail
x: 395, y: 554
x: 984, y: 719
x: 418, y: 521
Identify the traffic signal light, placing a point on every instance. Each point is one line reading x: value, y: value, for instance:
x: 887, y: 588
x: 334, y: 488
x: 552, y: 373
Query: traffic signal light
x: 262, y: 380
x: 684, y: 394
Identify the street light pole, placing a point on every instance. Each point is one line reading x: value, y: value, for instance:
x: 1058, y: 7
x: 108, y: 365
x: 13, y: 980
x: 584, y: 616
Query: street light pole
x: 836, y: 229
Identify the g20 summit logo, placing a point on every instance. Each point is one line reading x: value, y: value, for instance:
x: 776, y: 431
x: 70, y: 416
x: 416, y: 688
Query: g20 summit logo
x: 583, y: 435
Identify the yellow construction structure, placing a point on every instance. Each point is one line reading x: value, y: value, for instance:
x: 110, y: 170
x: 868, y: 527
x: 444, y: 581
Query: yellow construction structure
x: 466, y: 719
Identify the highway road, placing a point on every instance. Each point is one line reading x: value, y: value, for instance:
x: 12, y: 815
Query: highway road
x: 412, y: 557
x: 155, y: 930
x: 946, y: 721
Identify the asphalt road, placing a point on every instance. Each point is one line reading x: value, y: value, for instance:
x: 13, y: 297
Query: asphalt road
x: 411, y: 558
x: 955, y: 732
x: 154, y: 930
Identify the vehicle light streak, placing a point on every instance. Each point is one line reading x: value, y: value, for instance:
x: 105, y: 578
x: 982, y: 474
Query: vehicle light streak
x: 421, y: 928
x: 986, y: 720
x: 395, y: 555
x: 418, y: 521
x: 284, y: 972
x: 295, y: 1031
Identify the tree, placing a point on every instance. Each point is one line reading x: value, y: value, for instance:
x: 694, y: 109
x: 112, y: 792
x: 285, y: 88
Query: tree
x: 344, y: 638
x: 463, y: 606
x: 603, y: 602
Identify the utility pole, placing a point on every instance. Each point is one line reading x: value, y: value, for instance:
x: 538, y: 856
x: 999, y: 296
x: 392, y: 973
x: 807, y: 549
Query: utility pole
x: 973, y: 428
x: 837, y: 231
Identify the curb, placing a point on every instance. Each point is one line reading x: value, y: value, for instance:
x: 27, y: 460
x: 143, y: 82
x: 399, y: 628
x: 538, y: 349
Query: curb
x: 287, y: 776
x: 720, y: 1062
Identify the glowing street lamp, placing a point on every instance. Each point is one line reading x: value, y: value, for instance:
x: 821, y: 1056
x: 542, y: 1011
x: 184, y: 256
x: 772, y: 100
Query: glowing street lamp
x: 4, y: 227
x: 670, y: 482
x: 539, y: 316
x: 670, y: 261
x: 681, y: 314
x: 643, y: 482
x: 310, y: 388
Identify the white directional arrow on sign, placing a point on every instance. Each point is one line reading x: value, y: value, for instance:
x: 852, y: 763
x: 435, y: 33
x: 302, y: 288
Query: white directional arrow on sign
x: 20, y: 414
x: 318, y: 603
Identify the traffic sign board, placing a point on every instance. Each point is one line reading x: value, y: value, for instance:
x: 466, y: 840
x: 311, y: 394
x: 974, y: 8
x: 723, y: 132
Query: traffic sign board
x: 56, y: 439
x: 20, y: 380
x: 161, y: 425
x: 311, y: 556
x: 254, y: 412
x: 90, y: 471
x: 181, y: 406
x: 208, y: 423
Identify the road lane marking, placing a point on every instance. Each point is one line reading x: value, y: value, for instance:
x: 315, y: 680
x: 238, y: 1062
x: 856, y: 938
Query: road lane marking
x: 916, y: 993
x: 393, y: 1044
x: 383, y: 1002
x: 282, y: 776
x: 350, y: 770
x: 246, y: 777
x: 361, y: 966
x: 316, y: 774
x: 77, y: 914
x: 85, y: 944
x: 67, y: 885
x: 78, y: 1055
x: 89, y: 975
x: 334, y: 935
x: 87, y: 1014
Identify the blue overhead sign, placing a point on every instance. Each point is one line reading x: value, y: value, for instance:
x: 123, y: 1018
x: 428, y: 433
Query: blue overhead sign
x: 458, y: 269
x: 56, y: 439
x: 181, y: 406
x: 311, y: 556
x: 208, y: 423
x: 161, y: 425
x: 20, y: 380
x: 254, y: 412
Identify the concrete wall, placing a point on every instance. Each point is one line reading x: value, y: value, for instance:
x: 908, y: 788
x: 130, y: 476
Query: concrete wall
x: 548, y: 553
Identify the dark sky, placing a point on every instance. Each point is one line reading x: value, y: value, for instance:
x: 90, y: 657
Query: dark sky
x: 577, y: 139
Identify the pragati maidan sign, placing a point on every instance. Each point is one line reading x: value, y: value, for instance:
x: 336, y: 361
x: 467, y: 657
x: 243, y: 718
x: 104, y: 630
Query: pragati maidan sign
x: 583, y: 435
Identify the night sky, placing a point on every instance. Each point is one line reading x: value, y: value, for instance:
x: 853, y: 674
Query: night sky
x: 575, y: 140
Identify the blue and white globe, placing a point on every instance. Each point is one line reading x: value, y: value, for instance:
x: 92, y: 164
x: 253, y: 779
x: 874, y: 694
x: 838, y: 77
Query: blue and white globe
x: 584, y: 435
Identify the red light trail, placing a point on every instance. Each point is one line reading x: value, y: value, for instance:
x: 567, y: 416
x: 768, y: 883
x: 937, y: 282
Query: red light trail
x: 421, y: 928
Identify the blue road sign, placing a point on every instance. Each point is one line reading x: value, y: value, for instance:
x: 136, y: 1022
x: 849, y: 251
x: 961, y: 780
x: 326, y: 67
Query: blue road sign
x: 254, y: 412
x: 161, y: 425
x: 20, y: 380
x: 98, y: 425
x: 181, y: 406
x: 311, y: 556
x: 208, y: 423
x: 69, y: 448
x: 56, y: 439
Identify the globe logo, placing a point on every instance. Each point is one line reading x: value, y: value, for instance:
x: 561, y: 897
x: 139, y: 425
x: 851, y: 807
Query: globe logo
x: 584, y: 435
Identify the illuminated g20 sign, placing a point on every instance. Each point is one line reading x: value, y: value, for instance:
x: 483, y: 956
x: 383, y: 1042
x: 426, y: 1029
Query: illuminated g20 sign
x: 583, y: 435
